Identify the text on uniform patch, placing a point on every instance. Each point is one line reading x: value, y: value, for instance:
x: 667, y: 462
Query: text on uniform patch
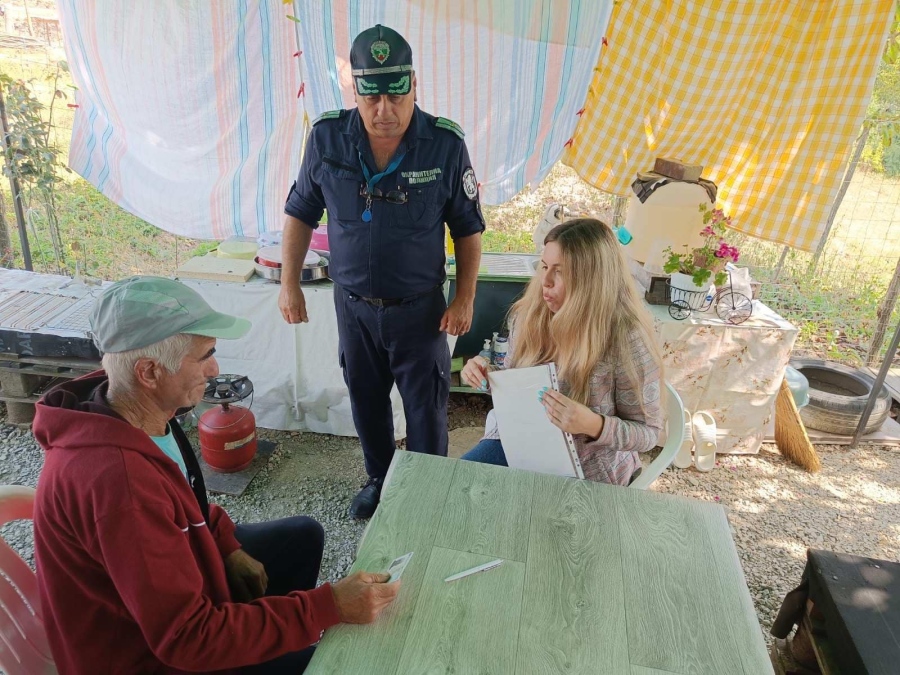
x: 426, y: 176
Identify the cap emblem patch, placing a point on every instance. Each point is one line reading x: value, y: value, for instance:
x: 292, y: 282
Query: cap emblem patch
x: 381, y: 50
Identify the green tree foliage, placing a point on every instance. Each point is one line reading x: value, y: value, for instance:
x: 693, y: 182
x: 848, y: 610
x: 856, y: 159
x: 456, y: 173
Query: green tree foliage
x: 882, y: 154
x: 30, y: 155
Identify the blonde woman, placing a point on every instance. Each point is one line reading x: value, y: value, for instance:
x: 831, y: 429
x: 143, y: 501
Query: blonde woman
x: 582, y: 312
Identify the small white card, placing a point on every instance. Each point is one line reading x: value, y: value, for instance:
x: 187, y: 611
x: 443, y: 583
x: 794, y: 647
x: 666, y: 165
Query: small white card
x: 396, y: 568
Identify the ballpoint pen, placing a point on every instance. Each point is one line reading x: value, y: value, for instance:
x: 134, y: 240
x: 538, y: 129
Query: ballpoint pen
x: 481, y: 568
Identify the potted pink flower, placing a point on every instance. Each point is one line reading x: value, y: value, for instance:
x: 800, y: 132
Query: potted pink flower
x: 696, y: 269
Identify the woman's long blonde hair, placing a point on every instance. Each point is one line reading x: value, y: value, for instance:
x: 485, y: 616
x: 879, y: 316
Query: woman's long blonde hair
x: 601, y: 313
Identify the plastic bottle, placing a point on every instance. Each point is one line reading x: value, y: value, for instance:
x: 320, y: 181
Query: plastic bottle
x: 449, y: 248
x: 485, y: 352
x: 623, y: 235
x: 500, y: 349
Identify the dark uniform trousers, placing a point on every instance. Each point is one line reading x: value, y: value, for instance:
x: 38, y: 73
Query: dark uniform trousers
x: 398, y: 252
x: 401, y: 343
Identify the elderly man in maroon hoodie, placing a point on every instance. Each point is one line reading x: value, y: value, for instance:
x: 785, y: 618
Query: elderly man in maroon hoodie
x: 137, y: 572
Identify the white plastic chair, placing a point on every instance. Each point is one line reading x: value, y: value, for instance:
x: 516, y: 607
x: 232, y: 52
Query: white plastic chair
x: 23, y: 642
x: 674, y: 439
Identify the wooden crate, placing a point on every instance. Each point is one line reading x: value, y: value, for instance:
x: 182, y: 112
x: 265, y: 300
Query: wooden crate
x: 656, y: 293
x: 678, y: 169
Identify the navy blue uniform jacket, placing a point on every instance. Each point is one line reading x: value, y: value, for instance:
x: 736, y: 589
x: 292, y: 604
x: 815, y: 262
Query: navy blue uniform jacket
x: 399, y: 253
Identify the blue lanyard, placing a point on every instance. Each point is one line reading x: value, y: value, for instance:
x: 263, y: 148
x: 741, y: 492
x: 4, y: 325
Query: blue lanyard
x: 371, y: 180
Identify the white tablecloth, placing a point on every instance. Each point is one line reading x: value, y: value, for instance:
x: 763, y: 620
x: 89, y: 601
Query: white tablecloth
x: 733, y: 372
x: 297, y: 379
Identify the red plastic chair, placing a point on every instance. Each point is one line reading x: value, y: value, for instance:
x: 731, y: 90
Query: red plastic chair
x: 23, y: 642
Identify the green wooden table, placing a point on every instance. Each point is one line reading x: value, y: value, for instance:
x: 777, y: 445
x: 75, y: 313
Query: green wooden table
x: 596, y: 579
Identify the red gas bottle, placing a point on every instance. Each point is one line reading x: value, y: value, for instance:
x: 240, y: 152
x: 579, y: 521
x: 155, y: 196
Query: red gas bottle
x: 227, y: 434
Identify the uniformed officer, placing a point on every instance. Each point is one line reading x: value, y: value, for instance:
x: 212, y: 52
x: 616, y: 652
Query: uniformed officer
x: 389, y: 176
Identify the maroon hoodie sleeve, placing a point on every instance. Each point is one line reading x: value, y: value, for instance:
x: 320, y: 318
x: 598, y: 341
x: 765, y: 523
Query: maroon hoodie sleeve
x: 222, y: 528
x: 141, y: 547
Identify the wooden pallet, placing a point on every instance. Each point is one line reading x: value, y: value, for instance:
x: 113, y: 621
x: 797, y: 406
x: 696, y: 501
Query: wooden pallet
x: 36, y: 394
x: 47, y: 365
x: 24, y: 379
x: 21, y: 376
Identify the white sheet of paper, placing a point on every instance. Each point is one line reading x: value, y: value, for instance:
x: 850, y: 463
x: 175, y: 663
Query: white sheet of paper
x: 396, y: 568
x: 529, y: 439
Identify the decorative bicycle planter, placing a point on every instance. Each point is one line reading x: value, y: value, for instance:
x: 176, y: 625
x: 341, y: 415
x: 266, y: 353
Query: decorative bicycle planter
x: 731, y: 306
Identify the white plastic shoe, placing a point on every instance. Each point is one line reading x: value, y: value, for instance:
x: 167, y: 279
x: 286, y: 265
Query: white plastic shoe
x: 704, y: 441
x: 684, y: 459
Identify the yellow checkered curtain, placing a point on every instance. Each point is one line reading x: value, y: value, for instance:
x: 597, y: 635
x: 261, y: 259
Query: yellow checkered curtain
x: 768, y: 96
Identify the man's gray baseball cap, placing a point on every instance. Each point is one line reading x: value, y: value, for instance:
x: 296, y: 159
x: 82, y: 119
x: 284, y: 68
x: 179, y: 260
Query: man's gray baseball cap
x: 140, y: 311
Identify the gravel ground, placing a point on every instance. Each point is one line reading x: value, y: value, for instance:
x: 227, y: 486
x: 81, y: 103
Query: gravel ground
x: 776, y: 510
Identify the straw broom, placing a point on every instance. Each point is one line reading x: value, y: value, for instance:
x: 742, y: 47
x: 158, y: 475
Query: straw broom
x: 790, y: 434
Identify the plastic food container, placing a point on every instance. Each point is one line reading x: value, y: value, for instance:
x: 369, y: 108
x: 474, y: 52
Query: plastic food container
x: 799, y: 386
x: 242, y: 248
x: 319, y: 240
x: 270, y: 256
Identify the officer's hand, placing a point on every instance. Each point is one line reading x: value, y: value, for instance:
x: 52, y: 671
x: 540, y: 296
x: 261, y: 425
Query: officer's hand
x: 292, y: 304
x: 246, y: 576
x: 360, y: 597
x: 458, y: 318
x: 475, y: 373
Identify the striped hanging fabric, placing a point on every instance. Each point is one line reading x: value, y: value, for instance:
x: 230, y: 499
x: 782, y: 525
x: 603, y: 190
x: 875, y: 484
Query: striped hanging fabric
x: 187, y: 111
x: 513, y: 74
x: 191, y: 115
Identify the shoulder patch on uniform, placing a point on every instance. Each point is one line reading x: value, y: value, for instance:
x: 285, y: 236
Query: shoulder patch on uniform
x: 470, y: 185
x: 449, y: 125
x: 330, y: 115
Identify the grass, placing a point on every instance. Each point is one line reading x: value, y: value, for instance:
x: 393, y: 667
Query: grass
x: 835, y: 317
x: 106, y: 241
x: 836, y: 302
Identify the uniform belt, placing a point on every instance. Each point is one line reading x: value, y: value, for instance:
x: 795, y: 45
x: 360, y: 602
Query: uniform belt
x: 392, y: 302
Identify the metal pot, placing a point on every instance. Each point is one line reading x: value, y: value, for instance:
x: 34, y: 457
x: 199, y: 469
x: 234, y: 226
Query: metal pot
x: 266, y: 272
x: 307, y: 274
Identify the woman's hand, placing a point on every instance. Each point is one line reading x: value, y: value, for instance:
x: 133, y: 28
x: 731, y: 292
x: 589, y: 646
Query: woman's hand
x: 569, y: 415
x: 475, y: 373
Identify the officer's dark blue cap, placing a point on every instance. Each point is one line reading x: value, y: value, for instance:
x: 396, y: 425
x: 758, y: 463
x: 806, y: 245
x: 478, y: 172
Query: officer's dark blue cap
x: 381, y: 62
